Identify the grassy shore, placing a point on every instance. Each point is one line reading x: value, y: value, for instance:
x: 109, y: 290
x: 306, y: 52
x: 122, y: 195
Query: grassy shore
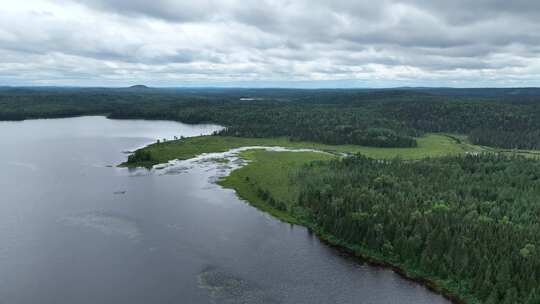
x: 270, y: 171
x: 431, y: 145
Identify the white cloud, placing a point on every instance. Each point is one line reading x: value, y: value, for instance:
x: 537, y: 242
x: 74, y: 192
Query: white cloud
x: 166, y: 42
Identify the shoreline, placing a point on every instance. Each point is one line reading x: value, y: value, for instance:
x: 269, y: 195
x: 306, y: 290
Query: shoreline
x: 336, y: 244
x: 245, y: 193
x: 429, y: 284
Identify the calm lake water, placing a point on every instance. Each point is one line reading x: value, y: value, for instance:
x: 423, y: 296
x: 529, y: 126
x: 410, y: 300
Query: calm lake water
x: 73, y: 229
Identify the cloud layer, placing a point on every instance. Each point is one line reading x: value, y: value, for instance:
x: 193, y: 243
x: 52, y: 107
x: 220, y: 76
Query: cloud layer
x: 265, y: 43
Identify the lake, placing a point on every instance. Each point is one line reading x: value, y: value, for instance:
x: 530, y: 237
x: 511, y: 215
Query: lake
x: 76, y: 229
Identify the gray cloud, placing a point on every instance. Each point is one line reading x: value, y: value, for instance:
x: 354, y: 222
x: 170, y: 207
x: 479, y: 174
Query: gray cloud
x: 170, y: 42
x: 178, y: 11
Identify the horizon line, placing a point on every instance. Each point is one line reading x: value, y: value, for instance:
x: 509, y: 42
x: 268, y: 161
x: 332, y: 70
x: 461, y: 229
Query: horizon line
x: 142, y: 86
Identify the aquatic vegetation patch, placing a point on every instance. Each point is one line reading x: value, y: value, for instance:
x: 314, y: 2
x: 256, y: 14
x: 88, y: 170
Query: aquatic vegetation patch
x: 228, y: 288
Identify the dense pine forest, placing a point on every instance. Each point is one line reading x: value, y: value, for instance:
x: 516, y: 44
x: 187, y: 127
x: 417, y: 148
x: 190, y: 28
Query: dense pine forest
x: 470, y: 221
x: 380, y: 118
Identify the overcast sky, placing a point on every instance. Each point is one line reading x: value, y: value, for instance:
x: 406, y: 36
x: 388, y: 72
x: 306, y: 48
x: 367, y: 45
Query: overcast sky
x: 304, y: 43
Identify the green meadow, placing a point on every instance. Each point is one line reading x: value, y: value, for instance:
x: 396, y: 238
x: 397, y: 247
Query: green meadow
x: 431, y: 145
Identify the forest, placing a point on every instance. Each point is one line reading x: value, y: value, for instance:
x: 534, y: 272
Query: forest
x: 380, y: 118
x: 467, y: 222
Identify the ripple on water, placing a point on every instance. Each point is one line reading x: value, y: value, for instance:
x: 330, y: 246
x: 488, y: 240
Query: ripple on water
x: 214, y: 179
x: 106, y: 222
x: 175, y: 170
x: 139, y: 172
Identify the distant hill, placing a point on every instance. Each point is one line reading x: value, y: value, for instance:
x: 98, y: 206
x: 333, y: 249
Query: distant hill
x: 138, y: 87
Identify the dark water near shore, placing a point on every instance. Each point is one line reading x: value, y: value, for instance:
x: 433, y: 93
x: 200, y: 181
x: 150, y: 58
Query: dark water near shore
x: 74, y: 230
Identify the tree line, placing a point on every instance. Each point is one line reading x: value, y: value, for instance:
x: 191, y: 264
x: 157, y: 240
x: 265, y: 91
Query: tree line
x: 497, y: 123
x: 470, y: 221
x: 380, y: 118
